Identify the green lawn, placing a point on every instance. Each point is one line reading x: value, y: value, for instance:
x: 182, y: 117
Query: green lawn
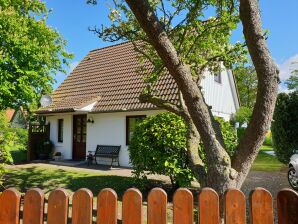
x: 265, y: 162
x: 49, y: 179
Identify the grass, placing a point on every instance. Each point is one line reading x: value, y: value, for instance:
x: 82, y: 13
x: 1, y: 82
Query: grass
x: 49, y: 179
x: 265, y: 162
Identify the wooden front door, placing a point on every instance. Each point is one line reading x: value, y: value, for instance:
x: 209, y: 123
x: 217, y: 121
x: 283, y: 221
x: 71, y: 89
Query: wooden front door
x: 79, y: 137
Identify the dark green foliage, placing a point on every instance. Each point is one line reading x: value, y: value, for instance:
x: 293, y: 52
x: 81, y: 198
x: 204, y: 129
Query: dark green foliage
x: 284, y: 126
x: 158, y: 146
x: 19, y: 156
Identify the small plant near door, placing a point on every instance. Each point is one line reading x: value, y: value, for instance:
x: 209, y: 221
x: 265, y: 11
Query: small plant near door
x: 44, y: 149
x: 57, y: 156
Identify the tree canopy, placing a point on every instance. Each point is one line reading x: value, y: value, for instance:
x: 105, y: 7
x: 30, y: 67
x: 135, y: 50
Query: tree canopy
x: 292, y: 82
x: 247, y: 83
x: 30, y: 52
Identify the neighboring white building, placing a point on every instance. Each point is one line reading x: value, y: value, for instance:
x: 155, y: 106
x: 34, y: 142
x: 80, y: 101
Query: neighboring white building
x: 97, y: 104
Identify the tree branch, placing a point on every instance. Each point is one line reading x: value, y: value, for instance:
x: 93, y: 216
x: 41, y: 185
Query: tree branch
x: 268, y: 80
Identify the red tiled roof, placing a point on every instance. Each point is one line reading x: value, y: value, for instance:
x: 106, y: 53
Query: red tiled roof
x: 109, y: 76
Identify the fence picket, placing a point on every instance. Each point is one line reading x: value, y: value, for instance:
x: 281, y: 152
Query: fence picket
x: 107, y: 207
x: 132, y: 207
x: 157, y: 206
x: 287, y: 204
x: 82, y: 206
x: 183, y: 207
x: 235, y: 208
x: 33, y: 206
x: 208, y: 206
x: 57, y: 207
x: 261, y: 207
x: 10, y: 206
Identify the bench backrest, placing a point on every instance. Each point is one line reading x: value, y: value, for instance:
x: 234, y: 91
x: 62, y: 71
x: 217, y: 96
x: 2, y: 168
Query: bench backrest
x: 108, y: 149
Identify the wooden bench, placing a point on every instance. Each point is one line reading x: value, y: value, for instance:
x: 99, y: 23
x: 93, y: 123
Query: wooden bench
x: 105, y: 151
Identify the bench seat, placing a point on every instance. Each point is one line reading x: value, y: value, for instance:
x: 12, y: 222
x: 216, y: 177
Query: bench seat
x: 105, y: 151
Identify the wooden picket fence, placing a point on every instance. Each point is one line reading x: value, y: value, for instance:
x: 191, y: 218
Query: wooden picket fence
x: 57, y: 208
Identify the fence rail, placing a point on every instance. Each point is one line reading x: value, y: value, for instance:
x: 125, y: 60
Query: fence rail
x: 33, y: 205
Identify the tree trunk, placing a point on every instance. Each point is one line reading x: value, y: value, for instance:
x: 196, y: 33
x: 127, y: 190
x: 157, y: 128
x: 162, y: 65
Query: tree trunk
x: 220, y: 173
x: 268, y: 80
x: 192, y: 145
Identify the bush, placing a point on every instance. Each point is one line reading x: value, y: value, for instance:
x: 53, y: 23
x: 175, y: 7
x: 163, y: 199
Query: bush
x: 19, y: 156
x: 5, y: 142
x: 284, y: 126
x: 229, y: 135
x: 158, y: 146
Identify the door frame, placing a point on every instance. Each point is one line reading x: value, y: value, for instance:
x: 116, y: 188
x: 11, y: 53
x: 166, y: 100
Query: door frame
x: 73, y: 132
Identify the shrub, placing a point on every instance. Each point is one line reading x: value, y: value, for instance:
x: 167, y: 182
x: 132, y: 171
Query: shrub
x: 284, y: 126
x: 19, y: 156
x: 229, y: 135
x: 158, y: 146
x: 5, y: 142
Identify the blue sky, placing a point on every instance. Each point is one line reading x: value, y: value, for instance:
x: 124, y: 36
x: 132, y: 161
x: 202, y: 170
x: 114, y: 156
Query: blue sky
x: 73, y: 17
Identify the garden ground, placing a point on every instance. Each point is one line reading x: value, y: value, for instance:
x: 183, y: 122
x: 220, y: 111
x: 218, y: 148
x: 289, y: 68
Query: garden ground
x: 266, y: 172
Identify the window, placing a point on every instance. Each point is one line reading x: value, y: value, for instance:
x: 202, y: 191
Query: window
x: 60, y: 130
x: 131, y: 122
x: 217, y: 77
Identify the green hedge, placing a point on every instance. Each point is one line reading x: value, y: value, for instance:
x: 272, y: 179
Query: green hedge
x: 285, y: 126
x: 19, y: 156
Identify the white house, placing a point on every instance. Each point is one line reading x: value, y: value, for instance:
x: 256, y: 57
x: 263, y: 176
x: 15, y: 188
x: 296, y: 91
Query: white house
x: 97, y: 104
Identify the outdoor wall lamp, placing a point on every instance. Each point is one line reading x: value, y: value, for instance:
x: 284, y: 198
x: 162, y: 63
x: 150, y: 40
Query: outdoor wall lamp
x: 90, y: 120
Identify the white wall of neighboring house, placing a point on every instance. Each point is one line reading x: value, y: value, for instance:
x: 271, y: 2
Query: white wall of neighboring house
x: 221, y: 96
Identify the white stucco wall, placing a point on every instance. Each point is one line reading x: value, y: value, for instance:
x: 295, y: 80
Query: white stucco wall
x: 110, y: 129
x: 107, y: 129
x: 64, y: 147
